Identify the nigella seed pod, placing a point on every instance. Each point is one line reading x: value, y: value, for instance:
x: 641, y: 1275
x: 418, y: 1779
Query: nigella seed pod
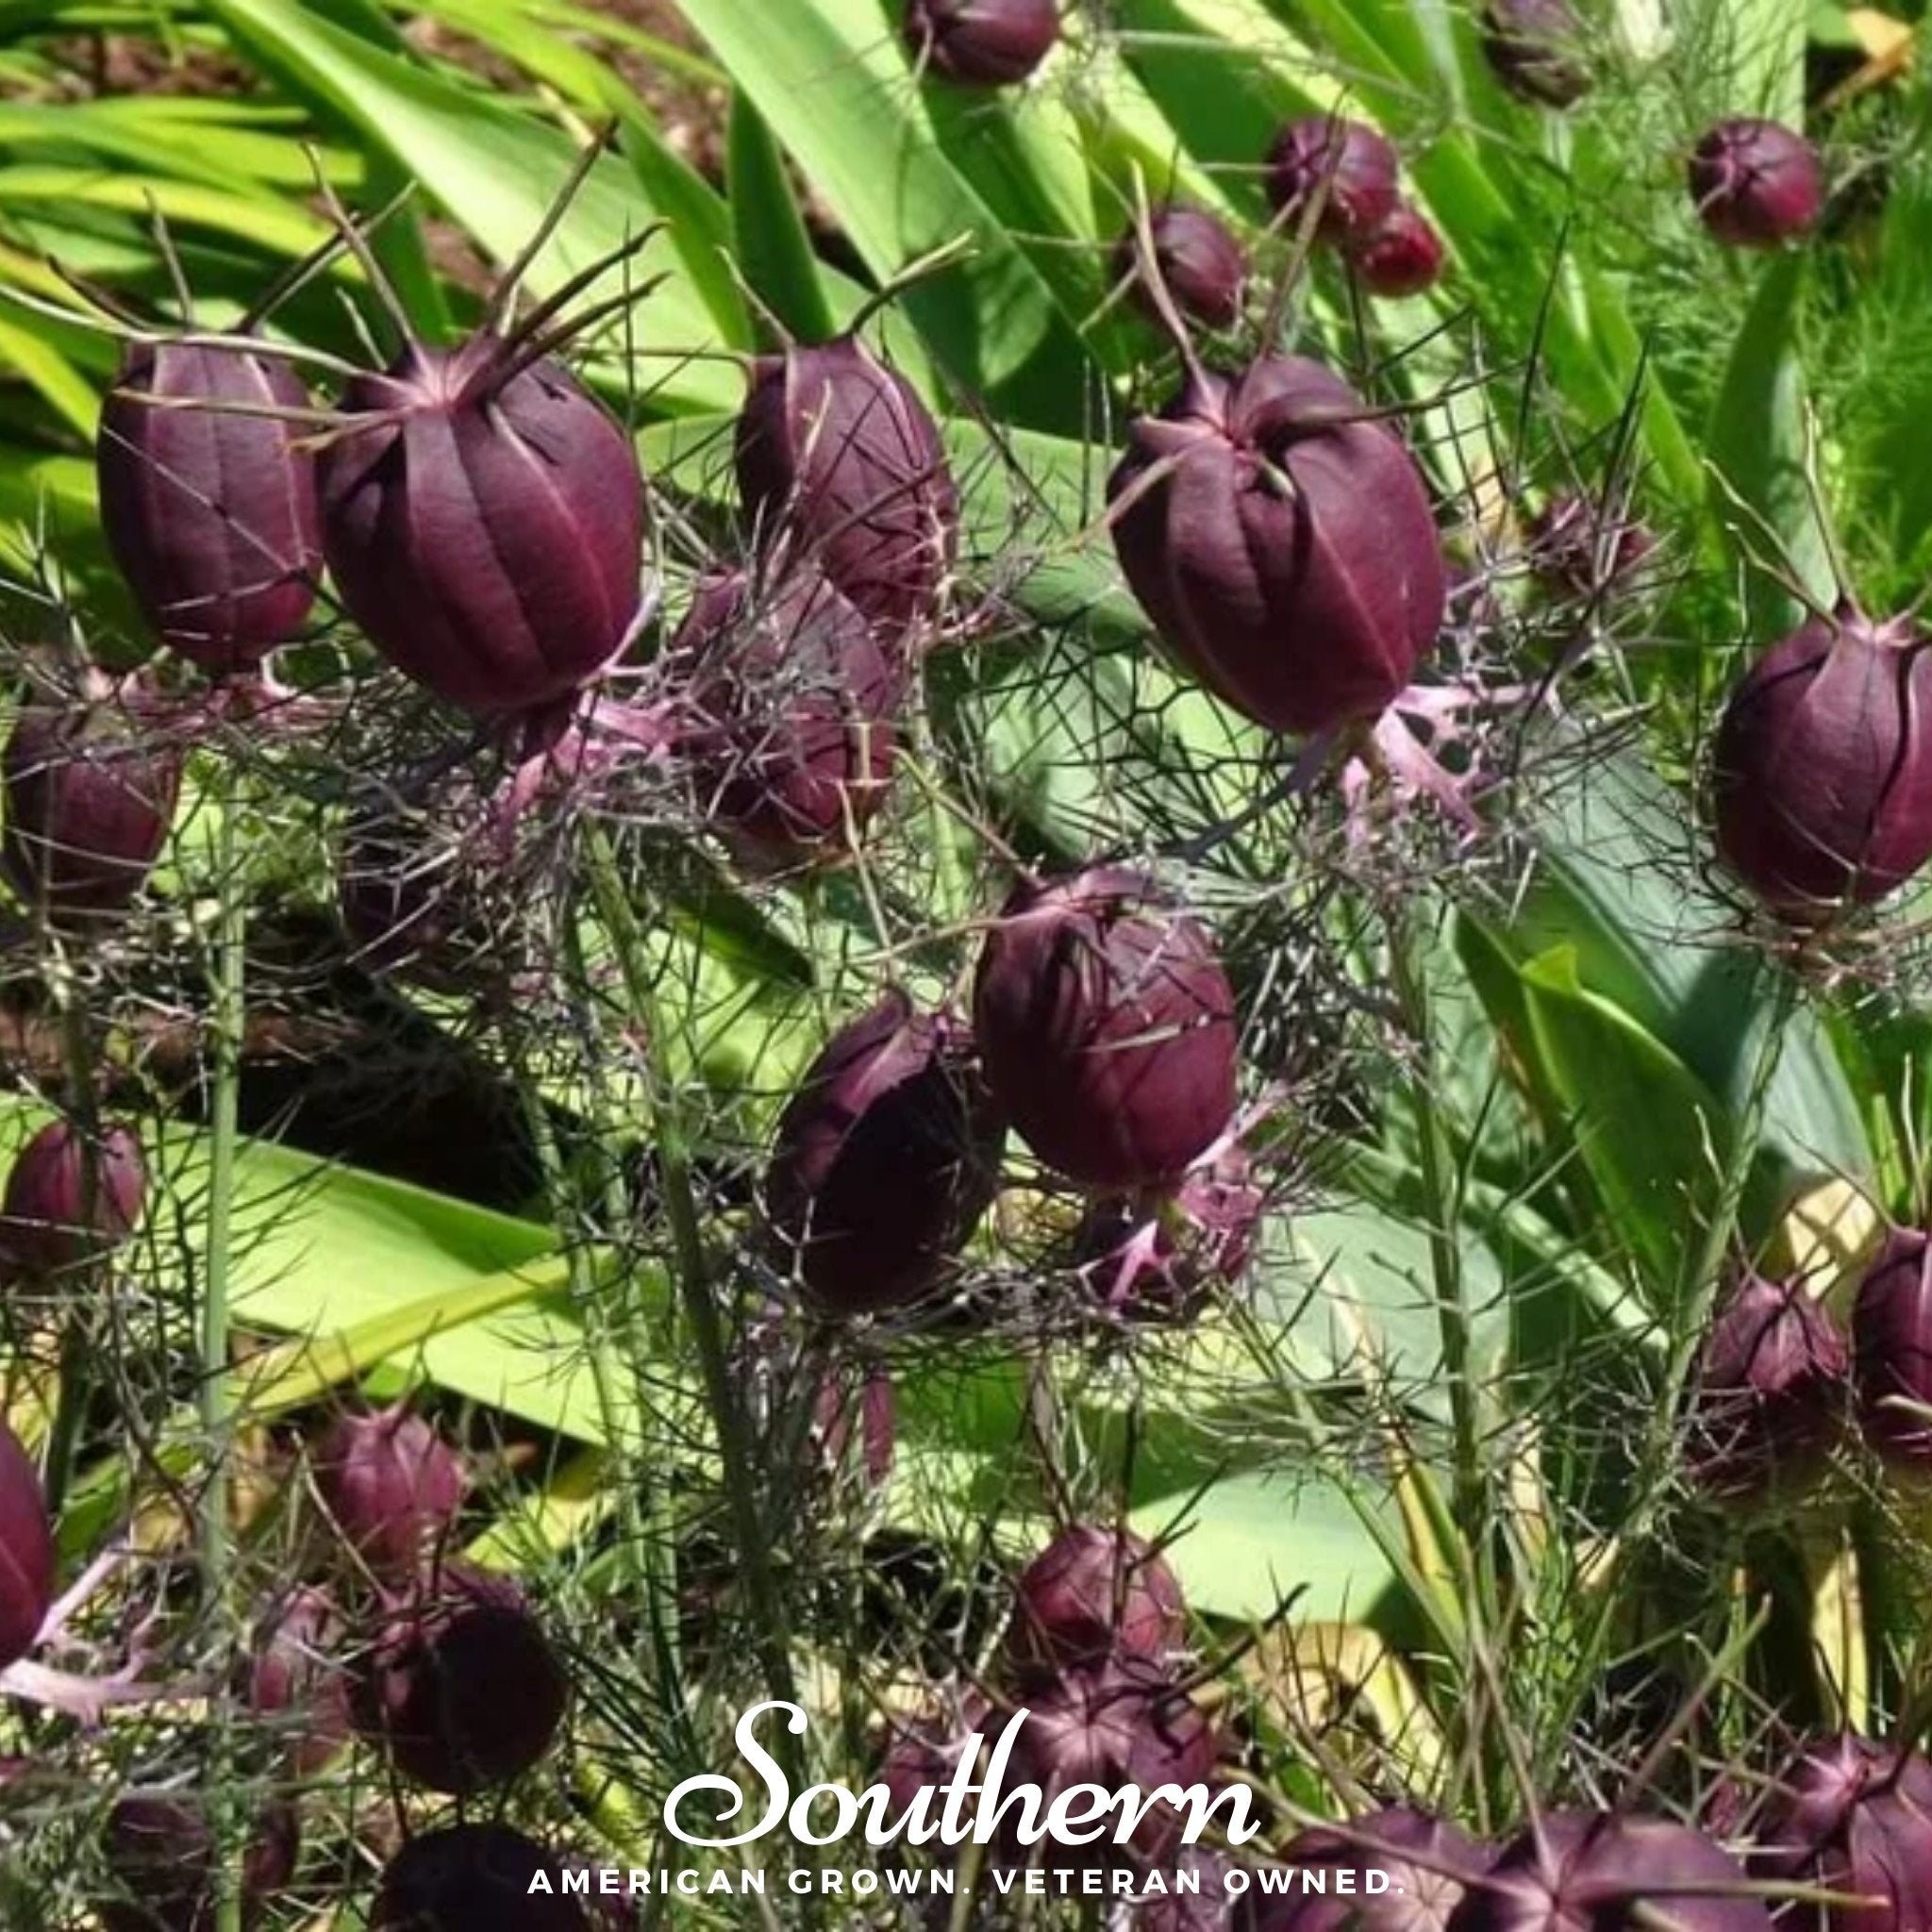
x: 837, y: 450
x: 1105, y: 1028
x: 26, y: 1551
x: 391, y: 1487
x: 473, y: 1878
x: 1157, y: 1257
x: 72, y: 1198
x: 1822, y: 778
x: 1402, y: 255
x: 1756, y: 184
x: 1535, y: 49
x: 88, y: 809
x: 1355, y: 169
x: 160, y: 1855
x: 1093, y: 1593
x: 885, y: 1160
x: 296, y: 1677
x: 793, y: 710
x: 1282, y: 546
x: 982, y: 42
x: 1199, y: 264
x: 210, y: 513
x: 1423, y: 1890
x: 484, y: 521
x: 460, y: 1686
x: 1613, y: 1874
x: 1770, y: 1394
x: 1577, y: 548
x: 1891, y: 1351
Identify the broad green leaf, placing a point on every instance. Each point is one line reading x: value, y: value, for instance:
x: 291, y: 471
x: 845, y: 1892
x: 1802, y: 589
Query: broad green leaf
x: 774, y: 251
x: 29, y: 355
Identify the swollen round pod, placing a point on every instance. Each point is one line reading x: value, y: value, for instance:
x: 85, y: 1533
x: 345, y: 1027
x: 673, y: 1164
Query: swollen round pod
x: 1400, y: 255
x: 160, y: 1855
x: 1091, y: 1594
x: 1198, y: 261
x: 1534, y: 48
x: 1756, y: 184
x: 473, y: 1878
x: 391, y: 1487
x: 27, y: 1557
x: 72, y: 1197
x: 1105, y: 1029
x: 982, y: 42
x: 208, y: 501
x: 1429, y: 1863
x: 1355, y: 169
x: 1891, y: 1351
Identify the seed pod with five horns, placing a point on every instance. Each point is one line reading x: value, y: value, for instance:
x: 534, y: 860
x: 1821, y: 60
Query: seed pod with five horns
x: 484, y: 520
x: 71, y: 1197
x: 27, y: 1558
x: 207, y: 505
x: 1756, y: 184
x: 1424, y: 1889
x: 1091, y: 1594
x: 982, y: 42
x: 1891, y: 1351
x: 1199, y: 263
x: 1282, y: 546
x: 1353, y: 168
x: 1822, y: 778
x: 1535, y: 49
x: 473, y: 1878
x: 1399, y: 255
x: 1107, y: 1029
x: 391, y: 1486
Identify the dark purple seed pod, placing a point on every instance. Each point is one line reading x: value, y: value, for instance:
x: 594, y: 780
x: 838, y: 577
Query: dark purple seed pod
x: 298, y: 1679
x: 473, y: 1878
x: 793, y: 710
x: 88, y: 809
x: 1157, y: 1258
x: 1424, y: 1887
x: 70, y: 1198
x: 1612, y: 1874
x: 210, y: 512
x: 1770, y: 1395
x: 27, y: 1559
x: 391, y: 1486
x: 485, y: 525
x: 1849, y: 1815
x: 161, y: 1854
x: 1891, y: 1351
x: 1105, y: 1029
x: 1402, y: 255
x: 1577, y: 548
x: 885, y: 1160
x: 982, y: 42
x: 1756, y: 184
x: 1535, y: 49
x: 1821, y: 778
x: 1201, y: 265
x: 460, y: 1686
x: 1356, y: 168
x: 1305, y: 608
x: 838, y: 450
x: 1093, y: 1595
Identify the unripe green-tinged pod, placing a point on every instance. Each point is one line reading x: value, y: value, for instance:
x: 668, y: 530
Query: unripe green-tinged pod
x: 1756, y: 184
x: 391, y: 1487
x: 885, y: 1160
x: 1535, y: 49
x: 1093, y: 1593
x: 1402, y: 255
x: 1105, y: 1028
x: 473, y: 1878
x: 71, y: 1197
x: 1281, y: 545
x: 1424, y: 1887
x: 1891, y: 1350
x: 1822, y: 776
x: 1201, y: 265
x: 1353, y: 167
x: 837, y: 452
x: 160, y: 1852
x: 484, y: 521
x: 26, y: 1551
x: 982, y: 42
x: 210, y: 512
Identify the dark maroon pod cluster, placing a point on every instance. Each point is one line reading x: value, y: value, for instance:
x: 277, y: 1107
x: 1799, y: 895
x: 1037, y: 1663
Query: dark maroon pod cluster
x: 1756, y: 184
x: 1535, y: 49
x: 473, y: 1878
x: 1105, y: 1029
x: 1196, y: 260
x: 483, y: 518
x: 88, y: 808
x: 27, y: 1557
x: 460, y: 1686
x: 1424, y: 1889
x: 1612, y: 1873
x: 160, y: 1853
x: 1093, y: 1593
x: 885, y: 1160
x: 391, y: 1487
x: 210, y: 509
x: 72, y: 1198
x: 981, y: 42
x: 1353, y: 171
x: 1281, y: 544
x: 1891, y: 1351
x: 1770, y: 1396
x: 1822, y: 776
x: 296, y: 1678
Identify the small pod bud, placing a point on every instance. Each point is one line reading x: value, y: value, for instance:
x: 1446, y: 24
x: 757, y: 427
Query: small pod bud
x: 1402, y: 255
x: 71, y: 1199
x: 460, y: 1686
x: 982, y: 42
x: 1107, y: 1029
x: 1821, y: 778
x: 1355, y: 169
x: 296, y: 1677
x: 1756, y: 184
x: 1891, y: 1351
x: 1281, y: 545
x: 88, y: 809
x: 1157, y: 1257
x: 391, y: 1486
x: 1423, y: 1891
x: 473, y: 1878
x: 484, y: 521
x: 1199, y: 264
x: 160, y: 1853
x: 1770, y: 1394
x: 26, y: 1551
x: 885, y: 1160
x: 1093, y: 1594
x: 838, y: 451
x: 210, y: 512
x: 1535, y: 49
x: 1577, y: 548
